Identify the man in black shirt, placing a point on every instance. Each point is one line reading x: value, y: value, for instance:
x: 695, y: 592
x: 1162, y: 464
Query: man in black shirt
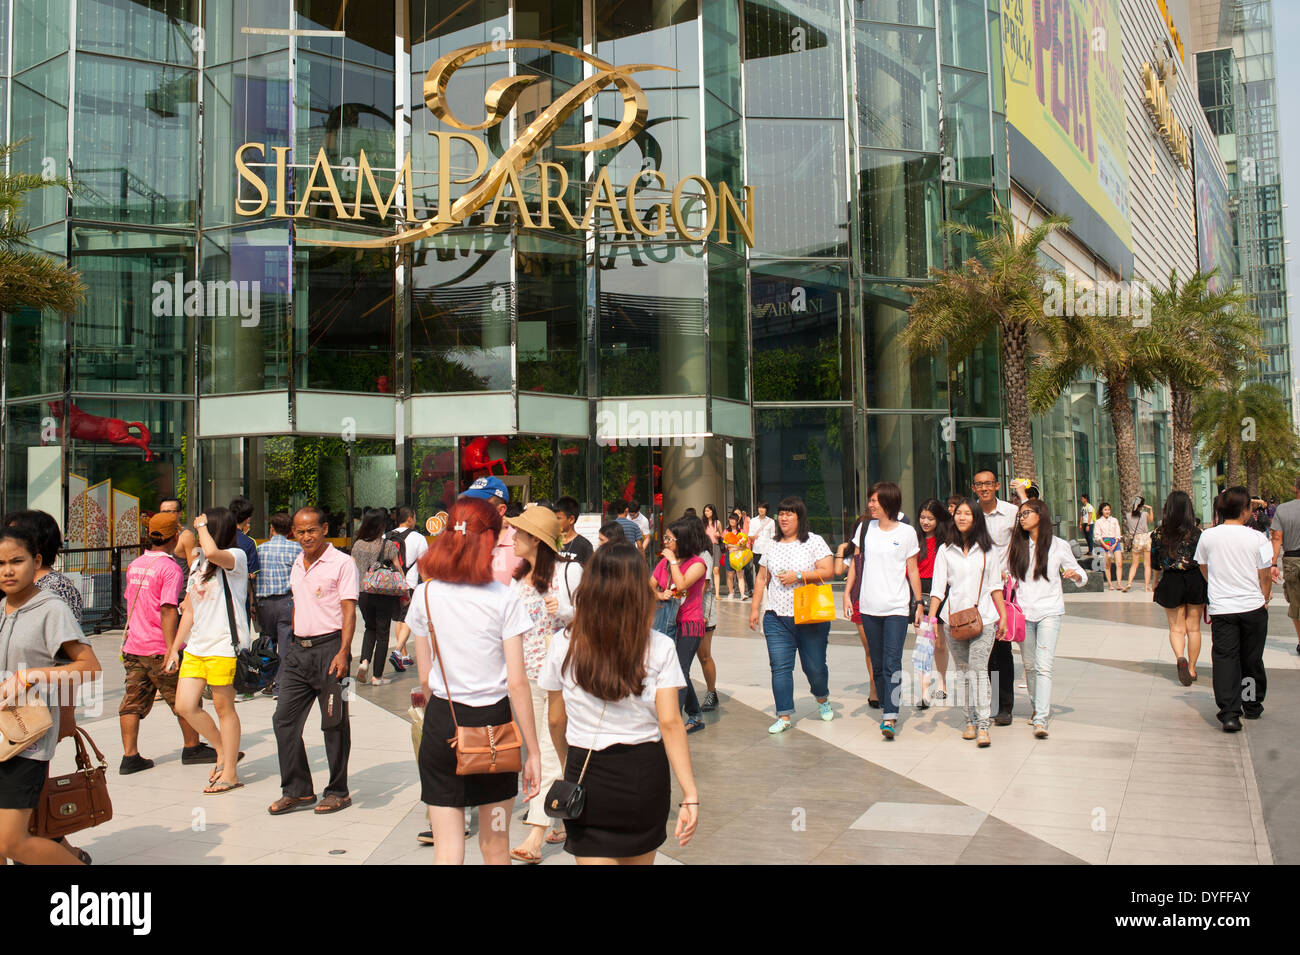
x: 576, y: 547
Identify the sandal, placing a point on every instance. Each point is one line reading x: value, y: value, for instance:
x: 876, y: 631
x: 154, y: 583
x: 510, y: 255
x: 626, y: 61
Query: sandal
x: 556, y: 836
x: 290, y: 804
x: 333, y: 803
x: 221, y: 786
x: 529, y: 858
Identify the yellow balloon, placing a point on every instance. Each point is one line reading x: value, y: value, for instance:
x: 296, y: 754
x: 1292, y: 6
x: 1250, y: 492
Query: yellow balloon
x: 739, y: 558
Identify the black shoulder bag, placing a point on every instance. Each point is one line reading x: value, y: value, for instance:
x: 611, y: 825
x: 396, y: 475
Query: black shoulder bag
x: 566, y: 800
x: 255, y: 667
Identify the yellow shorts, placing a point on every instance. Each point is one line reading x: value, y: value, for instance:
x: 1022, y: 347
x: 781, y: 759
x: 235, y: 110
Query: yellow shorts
x: 218, y: 671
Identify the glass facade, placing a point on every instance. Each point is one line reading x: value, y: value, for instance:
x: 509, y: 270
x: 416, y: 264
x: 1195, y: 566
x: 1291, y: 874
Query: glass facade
x: 648, y: 355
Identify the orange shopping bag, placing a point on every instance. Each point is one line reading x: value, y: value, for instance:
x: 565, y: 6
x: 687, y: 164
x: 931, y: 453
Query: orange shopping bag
x: 814, y: 603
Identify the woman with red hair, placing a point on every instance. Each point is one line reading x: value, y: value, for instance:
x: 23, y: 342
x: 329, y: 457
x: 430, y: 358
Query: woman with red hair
x: 479, y: 625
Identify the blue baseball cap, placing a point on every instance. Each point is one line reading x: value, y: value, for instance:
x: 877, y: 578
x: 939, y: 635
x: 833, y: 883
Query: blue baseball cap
x: 487, y: 489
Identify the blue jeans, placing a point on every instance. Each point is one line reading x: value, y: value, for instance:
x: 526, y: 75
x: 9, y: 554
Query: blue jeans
x: 885, y: 638
x: 784, y: 637
x: 1037, y: 653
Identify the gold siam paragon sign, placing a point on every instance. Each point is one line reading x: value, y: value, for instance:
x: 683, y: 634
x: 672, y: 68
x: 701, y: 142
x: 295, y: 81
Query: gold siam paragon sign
x: 1156, y: 99
x: 499, y: 182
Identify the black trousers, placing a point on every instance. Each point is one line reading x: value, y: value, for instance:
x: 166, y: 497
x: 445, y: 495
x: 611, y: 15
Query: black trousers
x: 1002, y: 671
x: 303, y: 679
x: 275, y: 619
x: 378, y: 611
x: 1238, y: 657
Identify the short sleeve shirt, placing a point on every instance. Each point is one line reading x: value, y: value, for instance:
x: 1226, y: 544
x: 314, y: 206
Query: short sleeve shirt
x: 887, y: 591
x: 782, y: 556
x: 210, y: 634
x: 152, y: 581
x: 319, y: 591
x: 1287, y: 520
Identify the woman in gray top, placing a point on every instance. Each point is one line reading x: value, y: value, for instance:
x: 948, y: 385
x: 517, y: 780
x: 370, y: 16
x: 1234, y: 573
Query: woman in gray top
x: 1138, y: 524
x: 377, y: 610
x: 38, y: 638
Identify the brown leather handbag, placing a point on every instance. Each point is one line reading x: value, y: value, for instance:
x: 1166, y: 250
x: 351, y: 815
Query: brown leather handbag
x: 966, y: 624
x: 478, y: 749
x: 76, y: 800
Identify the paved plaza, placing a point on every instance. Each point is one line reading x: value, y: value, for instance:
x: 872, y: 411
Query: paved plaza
x: 1135, y: 771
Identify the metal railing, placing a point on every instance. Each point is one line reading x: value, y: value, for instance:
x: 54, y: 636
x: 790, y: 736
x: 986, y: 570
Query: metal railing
x: 100, y: 575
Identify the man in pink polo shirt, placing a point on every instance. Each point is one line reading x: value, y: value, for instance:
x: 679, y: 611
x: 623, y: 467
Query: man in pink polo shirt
x: 504, y: 561
x: 319, y: 656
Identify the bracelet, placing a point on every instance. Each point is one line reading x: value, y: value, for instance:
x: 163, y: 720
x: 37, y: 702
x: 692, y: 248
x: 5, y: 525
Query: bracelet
x: 680, y: 804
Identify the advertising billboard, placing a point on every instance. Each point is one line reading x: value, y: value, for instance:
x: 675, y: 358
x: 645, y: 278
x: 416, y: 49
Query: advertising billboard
x: 1214, y: 247
x: 1065, y: 111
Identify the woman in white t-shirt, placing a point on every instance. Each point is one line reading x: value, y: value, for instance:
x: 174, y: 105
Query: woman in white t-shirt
x: 547, y: 584
x: 793, y: 558
x: 967, y: 568
x: 1036, y: 561
x: 479, y: 624
x: 891, y: 583
x: 614, y: 716
x: 217, y: 592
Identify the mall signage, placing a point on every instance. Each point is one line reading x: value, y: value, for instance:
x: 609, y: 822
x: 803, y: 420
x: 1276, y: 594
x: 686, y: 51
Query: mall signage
x: 499, y: 182
x: 1162, y: 114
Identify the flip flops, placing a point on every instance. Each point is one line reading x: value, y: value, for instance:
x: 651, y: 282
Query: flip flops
x: 219, y: 787
x: 528, y: 858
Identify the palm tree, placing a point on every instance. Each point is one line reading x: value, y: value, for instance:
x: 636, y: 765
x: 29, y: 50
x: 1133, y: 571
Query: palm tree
x: 1122, y: 354
x: 30, y: 279
x: 999, y: 290
x: 1216, y: 421
x: 1203, y: 338
x: 1247, y: 425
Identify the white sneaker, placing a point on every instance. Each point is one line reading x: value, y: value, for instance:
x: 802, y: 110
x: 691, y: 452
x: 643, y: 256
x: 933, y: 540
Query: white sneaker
x: 363, y: 672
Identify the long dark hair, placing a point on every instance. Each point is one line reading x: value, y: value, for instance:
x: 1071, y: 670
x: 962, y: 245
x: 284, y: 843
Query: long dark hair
x: 1178, y: 521
x: 612, y: 612
x: 221, y: 525
x: 978, y: 534
x: 1018, y: 551
x: 942, y: 519
x: 373, y: 526
x: 1137, y: 505
x: 713, y: 516
x: 542, y: 569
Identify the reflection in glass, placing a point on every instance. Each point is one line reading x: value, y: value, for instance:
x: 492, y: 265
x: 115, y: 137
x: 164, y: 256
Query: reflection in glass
x: 247, y: 350
x: 343, y: 315
x: 911, y: 12
x: 433, y: 476
x: 21, y: 433
x: 901, y: 213
x: 161, y: 31
x: 808, y: 453
x: 550, y: 285
x: 797, y: 167
x: 134, y: 136
x: 970, y: 207
x: 794, y: 59
x: 728, y: 325
x: 894, y: 379
x: 40, y: 29
x: 966, y: 129
x: 961, y: 34
x: 898, y: 102
x: 245, y: 102
x: 977, y: 447
x: 799, y: 316
x: 39, y: 115
x: 34, y: 350
x: 910, y: 450
x: 167, y: 422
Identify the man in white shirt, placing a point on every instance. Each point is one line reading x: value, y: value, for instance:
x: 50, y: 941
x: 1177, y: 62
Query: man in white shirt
x: 1236, y: 561
x: 413, y: 544
x: 999, y: 517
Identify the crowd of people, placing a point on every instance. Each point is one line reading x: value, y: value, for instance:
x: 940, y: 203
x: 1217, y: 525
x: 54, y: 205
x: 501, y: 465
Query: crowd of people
x: 574, y: 662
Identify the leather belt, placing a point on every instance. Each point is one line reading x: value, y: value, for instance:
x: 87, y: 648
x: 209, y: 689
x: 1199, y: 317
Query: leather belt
x: 274, y: 596
x: 309, y: 642
x: 1291, y: 553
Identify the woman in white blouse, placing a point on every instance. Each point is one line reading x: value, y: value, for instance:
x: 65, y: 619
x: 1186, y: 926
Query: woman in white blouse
x: 1036, y: 561
x: 968, y: 568
x: 545, y: 583
x: 614, y: 716
x: 1106, y: 532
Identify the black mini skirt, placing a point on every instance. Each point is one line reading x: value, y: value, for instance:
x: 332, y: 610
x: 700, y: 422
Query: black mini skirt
x: 21, y: 782
x: 628, y: 795
x: 1178, y: 588
x: 439, y: 784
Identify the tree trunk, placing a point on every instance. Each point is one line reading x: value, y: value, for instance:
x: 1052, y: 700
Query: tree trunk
x: 1252, y: 473
x: 1180, y: 400
x: 1121, y: 420
x: 1015, y: 384
x: 1234, y: 462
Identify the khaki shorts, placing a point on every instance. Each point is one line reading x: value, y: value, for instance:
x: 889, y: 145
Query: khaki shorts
x: 1291, y: 585
x: 145, y: 678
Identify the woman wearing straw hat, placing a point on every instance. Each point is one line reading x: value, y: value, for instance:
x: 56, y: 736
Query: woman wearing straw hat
x: 545, y: 582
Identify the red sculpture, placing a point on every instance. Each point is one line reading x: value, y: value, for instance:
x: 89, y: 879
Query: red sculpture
x: 436, y: 463
x: 91, y: 427
x: 474, y: 459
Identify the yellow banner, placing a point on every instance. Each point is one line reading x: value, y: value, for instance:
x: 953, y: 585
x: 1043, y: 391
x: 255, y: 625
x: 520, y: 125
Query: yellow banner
x: 1065, y: 94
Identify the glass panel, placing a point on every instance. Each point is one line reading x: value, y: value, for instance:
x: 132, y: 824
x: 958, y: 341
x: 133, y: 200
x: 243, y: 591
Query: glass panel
x: 808, y: 453
x: 40, y: 32
x: 433, y: 475
x: 976, y: 383
x: 910, y: 450
x: 245, y: 347
x: 966, y: 129
x: 898, y: 82
x: 912, y: 12
x: 533, y: 457
x: 652, y: 320
x: 971, y: 207
x: 794, y: 62
x: 799, y: 315
x: 31, y: 465
x: 961, y: 34
x: 550, y: 285
x: 797, y: 169
x: 343, y: 108
x: 728, y: 327
x: 4, y: 46
x: 134, y: 139
x: 163, y: 425
x: 461, y: 307
x: 978, y: 446
x: 225, y: 20
x: 245, y: 102
x: 1054, y: 452
x: 40, y: 116
x: 573, y: 472
x: 895, y: 379
x: 162, y: 31
x: 34, y: 353
x: 134, y: 332
x: 901, y: 213
x: 343, y: 319
x: 370, y: 31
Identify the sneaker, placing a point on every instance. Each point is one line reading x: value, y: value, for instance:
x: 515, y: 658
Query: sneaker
x: 710, y: 701
x: 824, y: 709
x: 134, y: 764
x: 245, y: 697
x: 408, y: 661
x: 780, y: 726
x: 982, y: 739
x: 363, y: 672
x: 380, y: 681
x: 395, y: 659
x: 1040, y: 731
x: 268, y: 690
x: 888, y: 729
x: 203, y: 753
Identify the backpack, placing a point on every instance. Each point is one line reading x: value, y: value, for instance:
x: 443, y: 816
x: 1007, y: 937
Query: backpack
x: 400, y: 540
